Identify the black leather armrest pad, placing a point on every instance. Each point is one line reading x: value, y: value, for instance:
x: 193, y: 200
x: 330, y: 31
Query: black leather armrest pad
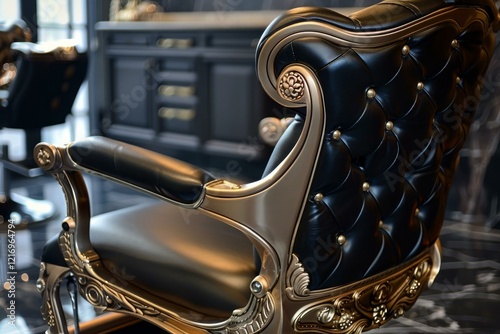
x: 150, y: 171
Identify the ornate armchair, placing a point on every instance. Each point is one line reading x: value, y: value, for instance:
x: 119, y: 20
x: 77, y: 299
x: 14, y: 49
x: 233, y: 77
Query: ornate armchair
x: 38, y: 86
x: 341, y: 234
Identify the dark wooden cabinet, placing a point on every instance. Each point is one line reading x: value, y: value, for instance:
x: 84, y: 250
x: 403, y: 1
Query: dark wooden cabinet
x: 189, y: 92
x: 184, y: 82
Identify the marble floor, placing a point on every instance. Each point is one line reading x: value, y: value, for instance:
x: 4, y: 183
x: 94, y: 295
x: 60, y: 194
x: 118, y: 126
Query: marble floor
x: 464, y: 299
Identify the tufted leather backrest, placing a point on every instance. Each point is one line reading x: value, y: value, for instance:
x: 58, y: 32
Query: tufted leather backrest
x: 397, y: 115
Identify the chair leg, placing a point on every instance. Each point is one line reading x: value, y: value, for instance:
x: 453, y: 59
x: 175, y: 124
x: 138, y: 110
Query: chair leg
x: 48, y: 284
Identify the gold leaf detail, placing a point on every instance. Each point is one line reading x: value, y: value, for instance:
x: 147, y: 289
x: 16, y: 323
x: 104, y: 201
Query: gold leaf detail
x: 297, y: 278
x: 366, y: 304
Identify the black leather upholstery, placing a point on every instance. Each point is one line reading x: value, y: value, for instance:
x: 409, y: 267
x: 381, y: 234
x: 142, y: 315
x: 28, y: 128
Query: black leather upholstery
x: 151, y: 171
x: 189, y: 258
x: 177, y: 254
x: 386, y: 175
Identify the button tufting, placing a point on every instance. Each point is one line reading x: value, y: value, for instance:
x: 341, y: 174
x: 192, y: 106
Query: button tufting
x: 336, y: 135
x: 417, y: 211
x: 371, y: 93
x: 420, y: 85
x: 406, y: 50
x: 341, y: 240
x: 454, y: 43
x: 318, y: 197
x: 366, y: 186
x: 380, y: 224
x: 457, y: 80
x: 389, y: 126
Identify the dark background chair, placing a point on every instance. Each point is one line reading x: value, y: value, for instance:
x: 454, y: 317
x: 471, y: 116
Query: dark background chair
x: 45, y: 79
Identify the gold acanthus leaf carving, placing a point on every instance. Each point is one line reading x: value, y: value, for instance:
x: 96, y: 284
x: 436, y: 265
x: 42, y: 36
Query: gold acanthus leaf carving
x: 367, y: 306
x: 297, y: 279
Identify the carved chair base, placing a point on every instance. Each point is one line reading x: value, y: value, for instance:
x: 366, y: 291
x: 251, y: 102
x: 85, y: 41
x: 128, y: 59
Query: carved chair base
x: 369, y: 303
x: 350, y: 309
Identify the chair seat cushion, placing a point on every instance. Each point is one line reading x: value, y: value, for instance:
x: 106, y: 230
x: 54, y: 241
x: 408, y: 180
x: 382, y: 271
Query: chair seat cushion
x: 177, y: 254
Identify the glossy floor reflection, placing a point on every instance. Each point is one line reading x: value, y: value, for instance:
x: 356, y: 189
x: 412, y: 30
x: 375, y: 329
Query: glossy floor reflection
x: 466, y: 295
x: 464, y: 299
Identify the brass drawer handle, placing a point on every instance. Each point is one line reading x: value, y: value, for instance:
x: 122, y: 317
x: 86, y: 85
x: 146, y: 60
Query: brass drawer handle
x: 171, y: 90
x: 175, y: 43
x: 177, y: 113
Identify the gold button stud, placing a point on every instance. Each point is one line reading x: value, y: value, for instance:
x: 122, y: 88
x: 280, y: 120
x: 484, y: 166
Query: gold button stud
x: 406, y: 50
x: 366, y: 186
x: 336, y: 135
x: 371, y: 93
x: 318, y: 197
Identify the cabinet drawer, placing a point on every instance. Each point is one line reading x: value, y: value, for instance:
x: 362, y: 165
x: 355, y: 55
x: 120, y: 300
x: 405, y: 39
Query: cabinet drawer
x: 234, y: 40
x: 177, y: 119
x: 180, y: 114
x: 129, y: 39
x: 176, y: 84
x: 167, y: 90
x: 177, y: 64
x: 176, y: 41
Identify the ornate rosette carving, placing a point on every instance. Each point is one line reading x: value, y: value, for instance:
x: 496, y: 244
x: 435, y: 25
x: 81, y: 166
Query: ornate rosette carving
x: 367, y: 304
x: 291, y: 86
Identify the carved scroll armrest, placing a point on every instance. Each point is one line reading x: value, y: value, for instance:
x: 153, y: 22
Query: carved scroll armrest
x: 150, y: 172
